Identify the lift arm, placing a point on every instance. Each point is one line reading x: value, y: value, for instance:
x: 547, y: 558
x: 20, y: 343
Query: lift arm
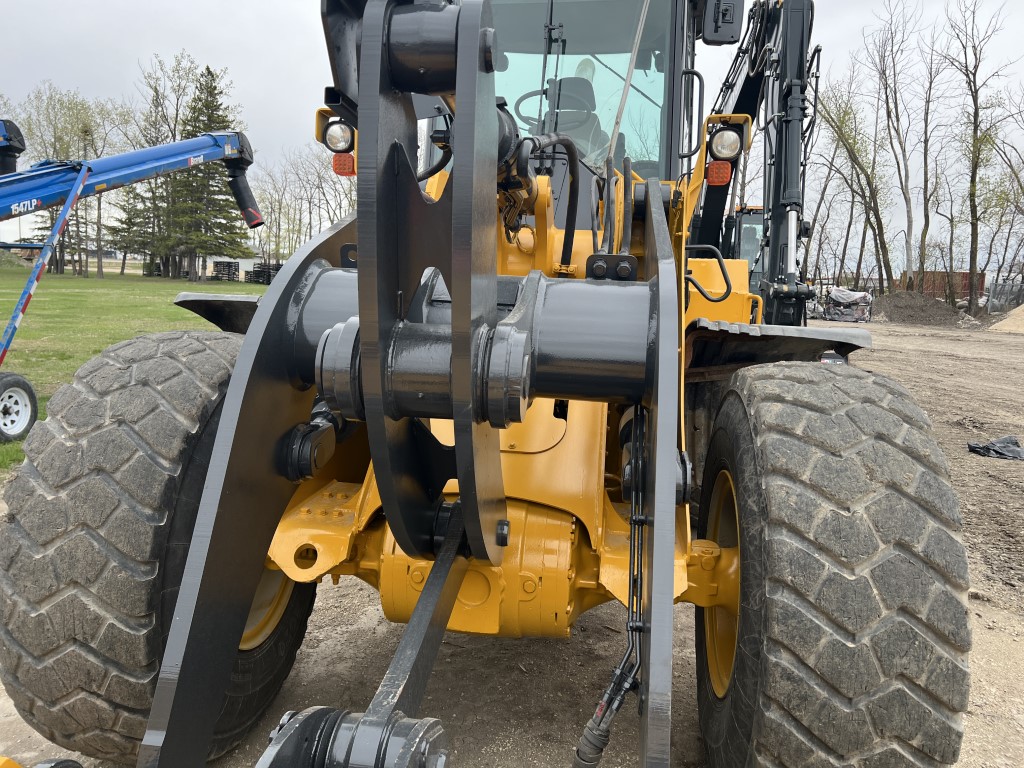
x: 770, y: 80
x: 49, y: 183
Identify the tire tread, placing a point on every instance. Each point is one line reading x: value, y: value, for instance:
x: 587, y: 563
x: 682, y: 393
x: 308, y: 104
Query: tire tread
x: 79, y: 654
x: 868, y: 627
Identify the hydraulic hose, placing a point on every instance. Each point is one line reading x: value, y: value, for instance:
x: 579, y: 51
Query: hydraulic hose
x: 534, y: 144
x: 446, y: 156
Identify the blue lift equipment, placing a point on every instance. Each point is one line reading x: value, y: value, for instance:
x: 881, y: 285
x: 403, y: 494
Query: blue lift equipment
x: 50, y: 183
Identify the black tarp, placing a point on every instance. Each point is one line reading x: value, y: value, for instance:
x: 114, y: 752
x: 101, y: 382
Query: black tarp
x: 1008, y: 447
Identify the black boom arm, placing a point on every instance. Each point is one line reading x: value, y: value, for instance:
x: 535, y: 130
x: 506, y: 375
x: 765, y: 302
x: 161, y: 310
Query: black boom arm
x: 770, y: 80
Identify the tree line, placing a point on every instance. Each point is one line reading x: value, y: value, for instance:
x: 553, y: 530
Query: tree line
x: 176, y: 223
x: 917, y: 168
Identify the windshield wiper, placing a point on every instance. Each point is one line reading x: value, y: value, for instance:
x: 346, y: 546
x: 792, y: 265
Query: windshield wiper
x: 553, y: 35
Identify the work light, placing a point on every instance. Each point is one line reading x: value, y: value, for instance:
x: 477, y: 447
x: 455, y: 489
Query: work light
x: 725, y: 144
x: 339, y: 137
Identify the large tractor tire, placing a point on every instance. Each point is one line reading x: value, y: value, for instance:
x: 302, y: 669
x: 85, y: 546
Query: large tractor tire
x: 850, y: 645
x: 93, y: 548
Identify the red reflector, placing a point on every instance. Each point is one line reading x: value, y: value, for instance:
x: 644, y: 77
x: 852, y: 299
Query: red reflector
x: 344, y: 164
x: 719, y: 173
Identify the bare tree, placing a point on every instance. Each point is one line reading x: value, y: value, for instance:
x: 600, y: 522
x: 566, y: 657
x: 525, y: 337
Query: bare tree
x: 933, y: 69
x: 108, y: 122
x: 51, y: 119
x: 969, y: 35
x: 949, y: 206
x: 300, y: 196
x: 889, y: 54
x: 843, y: 111
x: 167, y: 87
x: 819, y: 224
x: 1009, y: 150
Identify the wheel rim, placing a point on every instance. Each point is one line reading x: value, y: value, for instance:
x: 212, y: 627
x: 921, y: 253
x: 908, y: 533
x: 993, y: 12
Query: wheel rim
x: 721, y: 622
x: 268, y: 606
x: 15, y: 410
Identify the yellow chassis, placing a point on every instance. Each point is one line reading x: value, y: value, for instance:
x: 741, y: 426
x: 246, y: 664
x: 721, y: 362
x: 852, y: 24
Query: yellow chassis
x: 568, y: 549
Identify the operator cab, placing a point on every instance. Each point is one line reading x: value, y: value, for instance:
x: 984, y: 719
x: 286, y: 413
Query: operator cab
x: 749, y: 231
x: 567, y: 64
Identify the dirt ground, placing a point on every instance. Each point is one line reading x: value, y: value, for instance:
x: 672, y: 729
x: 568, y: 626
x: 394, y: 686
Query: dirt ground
x: 524, y: 703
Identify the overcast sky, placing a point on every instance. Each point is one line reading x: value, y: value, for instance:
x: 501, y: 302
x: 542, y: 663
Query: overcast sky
x: 274, y: 50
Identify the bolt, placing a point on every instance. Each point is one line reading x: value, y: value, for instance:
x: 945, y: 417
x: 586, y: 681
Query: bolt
x: 502, y: 536
x: 623, y: 270
x: 529, y: 586
x: 599, y: 268
x: 417, y: 577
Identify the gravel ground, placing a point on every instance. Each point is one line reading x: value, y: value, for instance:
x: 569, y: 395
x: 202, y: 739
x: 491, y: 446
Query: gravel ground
x: 523, y: 702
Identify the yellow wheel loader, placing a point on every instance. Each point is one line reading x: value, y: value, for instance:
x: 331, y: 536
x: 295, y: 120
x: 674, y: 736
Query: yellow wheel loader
x: 519, y: 382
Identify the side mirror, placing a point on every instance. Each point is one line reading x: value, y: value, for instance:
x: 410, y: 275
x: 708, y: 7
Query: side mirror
x: 719, y: 22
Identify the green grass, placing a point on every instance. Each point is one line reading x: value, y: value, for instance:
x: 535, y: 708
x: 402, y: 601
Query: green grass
x: 71, y: 320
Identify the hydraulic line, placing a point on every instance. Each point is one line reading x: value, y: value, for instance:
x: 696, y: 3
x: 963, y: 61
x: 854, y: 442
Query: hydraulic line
x: 446, y: 157
x: 534, y: 144
x: 597, y: 732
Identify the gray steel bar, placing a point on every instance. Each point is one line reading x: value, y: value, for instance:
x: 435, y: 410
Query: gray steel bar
x: 244, y: 496
x: 421, y: 48
x: 473, y: 280
x: 420, y: 372
x: 576, y: 354
x: 405, y: 682
x: 400, y: 235
x: 662, y: 453
x: 333, y: 298
x: 580, y: 353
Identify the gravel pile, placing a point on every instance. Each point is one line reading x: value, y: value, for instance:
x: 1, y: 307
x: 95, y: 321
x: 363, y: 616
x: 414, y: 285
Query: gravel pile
x: 913, y: 309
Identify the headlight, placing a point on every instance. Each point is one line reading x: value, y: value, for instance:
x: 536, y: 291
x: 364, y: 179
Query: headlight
x: 725, y: 144
x: 339, y: 137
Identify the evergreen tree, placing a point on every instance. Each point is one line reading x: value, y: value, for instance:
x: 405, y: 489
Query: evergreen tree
x: 131, y: 233
x: 167, y: 88
x: 154, y: 196
x: 204, y: 217
x: 138, y: 230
